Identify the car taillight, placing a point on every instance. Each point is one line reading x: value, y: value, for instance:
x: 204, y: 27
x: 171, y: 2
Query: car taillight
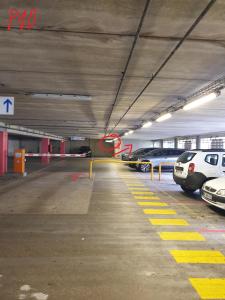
x: 191, y: 168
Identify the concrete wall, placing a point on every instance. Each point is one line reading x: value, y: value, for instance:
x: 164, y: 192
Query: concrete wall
x: 136, y: 144
x: 33, y: 146
x: 15, y: 142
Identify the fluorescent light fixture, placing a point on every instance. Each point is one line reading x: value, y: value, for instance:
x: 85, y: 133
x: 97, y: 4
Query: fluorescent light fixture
x: 77, y: 138
x: 62, y: 97
x: 109, y: 141
x: 130, y: 132
x: 126, y: 133
x: 164, y: 117
x: 201, y: 101
x: 147, y: 124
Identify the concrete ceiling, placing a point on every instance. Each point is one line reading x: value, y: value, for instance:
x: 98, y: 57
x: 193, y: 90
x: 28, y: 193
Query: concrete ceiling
x: 81, y: 47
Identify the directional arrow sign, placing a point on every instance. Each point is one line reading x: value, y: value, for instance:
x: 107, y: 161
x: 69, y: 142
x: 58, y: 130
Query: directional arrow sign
x: 128, y: 148
x: 6, y: 105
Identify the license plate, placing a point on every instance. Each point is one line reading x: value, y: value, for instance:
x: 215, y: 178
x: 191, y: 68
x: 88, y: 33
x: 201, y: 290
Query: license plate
x: 207, y: 196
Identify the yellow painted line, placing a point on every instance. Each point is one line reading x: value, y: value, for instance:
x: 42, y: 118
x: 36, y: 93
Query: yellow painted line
x: 146, y: 203
x: 198, y: 256
x: 141, y: 193
x: 159, y: 211
x: 146, y: 197
x: 209, y: 288
x: 172, y: 222
x: 181, y: 236
x: 138, y: 189
x: 135, y: 184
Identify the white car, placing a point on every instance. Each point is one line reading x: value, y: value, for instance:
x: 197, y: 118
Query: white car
x: 194, y: 168
x: 213, y: 192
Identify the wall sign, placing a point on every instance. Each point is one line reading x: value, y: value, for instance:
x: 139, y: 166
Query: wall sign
x: 6, y: 105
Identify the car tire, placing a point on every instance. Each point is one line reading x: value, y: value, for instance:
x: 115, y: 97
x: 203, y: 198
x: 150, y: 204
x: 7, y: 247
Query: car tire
x: 188, y: 191
x: 144, y: 168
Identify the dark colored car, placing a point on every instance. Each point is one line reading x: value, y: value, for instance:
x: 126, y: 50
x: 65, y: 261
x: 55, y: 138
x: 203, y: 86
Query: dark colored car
x: 138, y: 154
x: 126, y: 156
x: 83, y: 150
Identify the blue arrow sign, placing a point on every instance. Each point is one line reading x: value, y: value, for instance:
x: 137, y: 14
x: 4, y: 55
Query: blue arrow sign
x: 7, y: 104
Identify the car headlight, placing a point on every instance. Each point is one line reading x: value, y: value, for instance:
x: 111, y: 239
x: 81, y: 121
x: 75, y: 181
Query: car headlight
x: 204, y: 185
x: 221, y: 193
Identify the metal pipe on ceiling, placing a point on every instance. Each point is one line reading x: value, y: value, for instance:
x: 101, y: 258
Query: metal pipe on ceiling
x: 128, y: 60
x: 189, y: 31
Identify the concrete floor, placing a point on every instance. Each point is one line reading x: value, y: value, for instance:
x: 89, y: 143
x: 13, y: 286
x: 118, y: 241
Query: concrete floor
x: 111, y: 252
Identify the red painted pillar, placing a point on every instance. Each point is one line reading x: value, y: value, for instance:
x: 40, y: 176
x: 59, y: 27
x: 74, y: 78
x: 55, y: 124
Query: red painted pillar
x: 3, y: 152
x: 45, y: 145
x: 62, y: 147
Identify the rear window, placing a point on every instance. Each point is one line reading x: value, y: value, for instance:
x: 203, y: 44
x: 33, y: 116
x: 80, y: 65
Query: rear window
x: 186, y: 157
x: 212, y: 159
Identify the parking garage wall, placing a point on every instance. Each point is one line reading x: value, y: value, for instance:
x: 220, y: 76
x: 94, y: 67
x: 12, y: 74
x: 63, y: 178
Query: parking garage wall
x: 136, y: 144
x: 31, y: 145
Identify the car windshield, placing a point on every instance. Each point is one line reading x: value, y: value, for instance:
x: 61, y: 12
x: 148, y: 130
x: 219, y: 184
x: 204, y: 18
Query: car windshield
x: 155, y: 152
x: 186, y: 157
x: 138, y: 151
x: 141, y: 151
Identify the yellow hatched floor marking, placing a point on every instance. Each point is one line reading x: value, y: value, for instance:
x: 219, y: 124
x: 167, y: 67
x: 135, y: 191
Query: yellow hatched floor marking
x: 138, y: 189
x: 198, y: 256
x: 209, y: 288
x: 146, y: 203
x: 181, y: 236
x: 142, y: 193
x: 146, y: 197
x: 172, y: 222
x: 159, y: 211
x: 135, y: 184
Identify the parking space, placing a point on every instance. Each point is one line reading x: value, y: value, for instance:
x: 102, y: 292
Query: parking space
x: 136, y: 237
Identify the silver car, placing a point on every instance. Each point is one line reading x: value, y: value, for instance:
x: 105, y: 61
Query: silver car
x: 157, y: 156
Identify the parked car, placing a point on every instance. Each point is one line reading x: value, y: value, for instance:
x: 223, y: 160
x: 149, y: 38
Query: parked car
x: 138, y: 154
x: 126, y: 156
x: 213, y: 192
x: 194, y: 168
x: 83, y: 150
x: 157, y: 156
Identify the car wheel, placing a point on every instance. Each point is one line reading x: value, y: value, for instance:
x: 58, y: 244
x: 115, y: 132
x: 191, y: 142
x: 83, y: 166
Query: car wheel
x: 144, y: 168
x: 188, y: 191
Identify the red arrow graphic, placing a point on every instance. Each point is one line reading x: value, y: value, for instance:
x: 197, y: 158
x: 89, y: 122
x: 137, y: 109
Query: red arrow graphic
x: 128, y: 147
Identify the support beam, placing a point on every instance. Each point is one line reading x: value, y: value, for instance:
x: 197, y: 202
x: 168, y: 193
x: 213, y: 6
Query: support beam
x: 3, y: 152
x: 45, y: 143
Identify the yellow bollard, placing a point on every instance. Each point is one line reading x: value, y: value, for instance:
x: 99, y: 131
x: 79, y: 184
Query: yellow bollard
x: 90, y: 169
x: 160, y: 170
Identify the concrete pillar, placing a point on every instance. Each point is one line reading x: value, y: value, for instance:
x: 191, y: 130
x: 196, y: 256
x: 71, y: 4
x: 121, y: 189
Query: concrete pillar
x: 3, y: 152
x: 45, y: 144
x: 176, y: 143
x: 62, y: 147
x: 198, y: 142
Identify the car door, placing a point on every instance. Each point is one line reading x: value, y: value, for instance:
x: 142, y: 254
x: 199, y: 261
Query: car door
x: 212, y: 165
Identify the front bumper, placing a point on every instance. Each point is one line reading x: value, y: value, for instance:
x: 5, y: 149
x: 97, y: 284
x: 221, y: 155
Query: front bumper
x: 213, y: 199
